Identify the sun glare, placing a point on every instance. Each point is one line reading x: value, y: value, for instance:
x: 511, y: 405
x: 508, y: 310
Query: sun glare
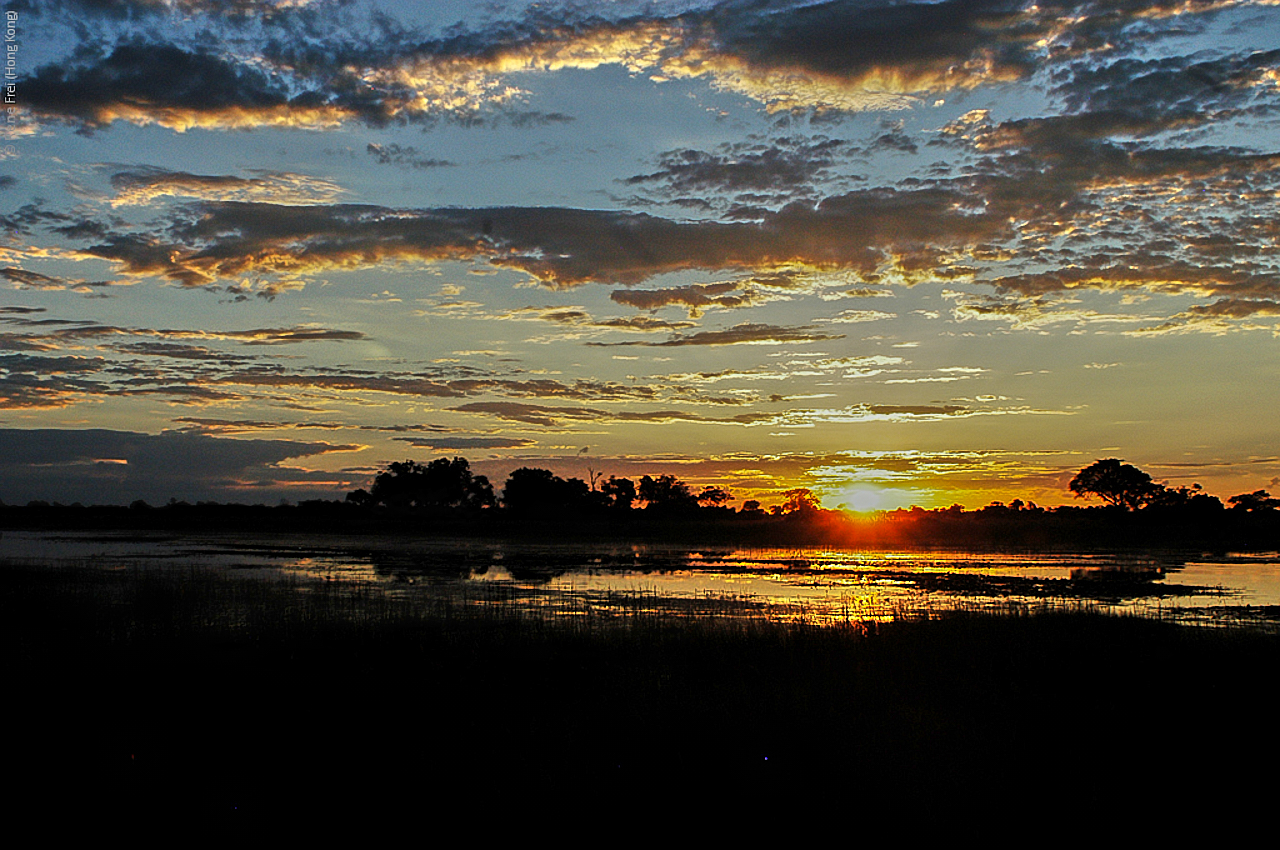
x: 861, y: 499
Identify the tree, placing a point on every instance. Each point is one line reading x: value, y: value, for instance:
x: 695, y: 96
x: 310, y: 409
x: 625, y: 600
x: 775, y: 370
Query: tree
x: 539, y: 491
x: 1191, y: 499
x: 1258, y: 500
x: 800, y: 501
x: 714, y: 496
x: 666, y: 493
x: 1115, y: 483
x: 620, y: 492
x: 443, y: 483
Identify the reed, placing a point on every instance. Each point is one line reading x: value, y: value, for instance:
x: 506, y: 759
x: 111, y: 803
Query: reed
x: 236, y: 687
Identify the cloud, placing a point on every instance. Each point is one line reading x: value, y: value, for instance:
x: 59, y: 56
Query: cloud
x: 551, y: 416
x: 746, y: 333
x: 902, y: 413
x: 406, y: 157
x: 579, y: 318
x: 1143, y: 96
x: 1222, y: 316
x: 120, y: 10
x: 152, y: 83
x: 36, y: 382
x: 1032, y: 313
x: 59, y: 332
x: 142, y: 186
x: 32, y: 280
x: 214, y: 241
x: 785, y: 168
x: 450, y: 444
x: 116, y: 467
x: 851, y: 56
x: 318, y: 68
x: 696, y: 297
x: 849, y: 317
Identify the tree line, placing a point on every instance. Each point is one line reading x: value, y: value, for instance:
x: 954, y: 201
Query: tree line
x: 450, y: 484
x: 445, y: 496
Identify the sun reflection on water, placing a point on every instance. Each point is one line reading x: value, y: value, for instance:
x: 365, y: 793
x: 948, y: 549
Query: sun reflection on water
x: 820, y: 585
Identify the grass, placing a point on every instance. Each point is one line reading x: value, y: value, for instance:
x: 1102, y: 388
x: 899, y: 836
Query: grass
x: 207, y: 689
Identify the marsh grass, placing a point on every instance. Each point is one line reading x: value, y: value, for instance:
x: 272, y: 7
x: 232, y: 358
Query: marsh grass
x: 207, y: 688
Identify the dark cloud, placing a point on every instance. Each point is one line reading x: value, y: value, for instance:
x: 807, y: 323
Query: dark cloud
x: 32, y: 280
x: 743, y: 333
x: 914, y: 409
x: 575, y: 317
x: 893, y: 140
x: 287, y: 336
x: 696, y: 297
x: 450, y: 444
x: 57, y: 331
x: 643, y: 324
x: 116, y: 467
x: 1237, y: 308
x: 1155, y: 273
x: 436, y: 386
x: 1218, y: 317
x: 911, y: 46
x: 23, y: 219
x: 1139, y: 96
x: 144, y: 82
x: 318, y: 67
x: 743, y: 167
x: 407, y: 157
x: 551, y: 416
x: 178, y: 351
x: 144, y: 10
x: 560, y: 247
x: 143, y: 186
x: 37, y: 382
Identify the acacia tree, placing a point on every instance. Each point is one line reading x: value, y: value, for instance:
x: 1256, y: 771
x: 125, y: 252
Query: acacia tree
x: 1115, y: 483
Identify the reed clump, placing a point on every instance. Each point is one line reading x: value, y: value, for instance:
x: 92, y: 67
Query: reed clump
x: 236, y: 687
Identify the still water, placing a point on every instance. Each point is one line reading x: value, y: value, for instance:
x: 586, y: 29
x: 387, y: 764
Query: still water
x: 819, y: 585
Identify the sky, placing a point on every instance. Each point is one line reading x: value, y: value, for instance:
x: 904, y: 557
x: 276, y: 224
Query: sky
x: 895, y: 252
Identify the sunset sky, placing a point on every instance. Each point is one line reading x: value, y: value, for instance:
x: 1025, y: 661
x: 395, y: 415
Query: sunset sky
x: 898, y: 253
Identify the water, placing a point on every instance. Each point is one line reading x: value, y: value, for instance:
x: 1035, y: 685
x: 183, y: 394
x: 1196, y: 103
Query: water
x: 817, y: 585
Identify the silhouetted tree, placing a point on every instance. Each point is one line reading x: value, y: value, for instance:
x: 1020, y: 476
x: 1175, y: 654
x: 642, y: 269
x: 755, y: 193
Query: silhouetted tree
x: 1115, y: 483
x: 620, y: 492
x: 442, y: 483
x: 539, y: 491
x: 666, y: 493
x: 714, y: 496
x: 1258, y: 500
x: 800, y: 501
x: 1183, y: 499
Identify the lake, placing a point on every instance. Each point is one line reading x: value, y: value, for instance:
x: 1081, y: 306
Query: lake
x: 815, y: 585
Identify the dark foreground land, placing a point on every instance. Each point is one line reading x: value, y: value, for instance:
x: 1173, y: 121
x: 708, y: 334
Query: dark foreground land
x: 144, y: 690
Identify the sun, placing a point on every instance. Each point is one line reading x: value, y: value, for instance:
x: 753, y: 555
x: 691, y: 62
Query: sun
x: 861, y: 498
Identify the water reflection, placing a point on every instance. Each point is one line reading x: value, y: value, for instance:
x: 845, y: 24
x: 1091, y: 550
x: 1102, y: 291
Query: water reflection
x: 819, y: 585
